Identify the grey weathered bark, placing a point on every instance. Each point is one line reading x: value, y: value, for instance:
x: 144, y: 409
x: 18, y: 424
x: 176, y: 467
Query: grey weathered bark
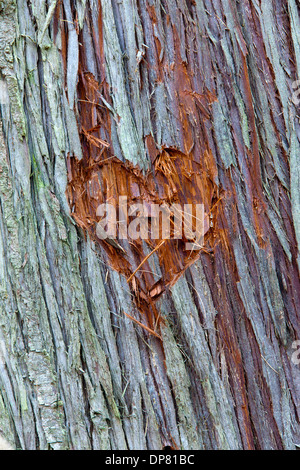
x: 75, y: 372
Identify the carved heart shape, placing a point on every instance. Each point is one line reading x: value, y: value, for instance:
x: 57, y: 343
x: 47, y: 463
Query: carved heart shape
x: 176, y: 180
x: 175, y: 177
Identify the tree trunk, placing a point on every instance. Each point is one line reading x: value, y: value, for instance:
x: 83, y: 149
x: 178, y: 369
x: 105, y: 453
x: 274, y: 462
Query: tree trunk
x: 191, y: 98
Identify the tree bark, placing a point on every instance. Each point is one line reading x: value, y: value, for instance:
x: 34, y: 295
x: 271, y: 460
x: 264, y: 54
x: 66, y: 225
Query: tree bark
x: 83, y: 81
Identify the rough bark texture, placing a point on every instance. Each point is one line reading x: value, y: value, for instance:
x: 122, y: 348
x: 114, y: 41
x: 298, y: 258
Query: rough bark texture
x: 211, y: 81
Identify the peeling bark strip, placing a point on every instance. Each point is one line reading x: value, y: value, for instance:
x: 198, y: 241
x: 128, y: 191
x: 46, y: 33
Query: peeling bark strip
x: 117, y: 93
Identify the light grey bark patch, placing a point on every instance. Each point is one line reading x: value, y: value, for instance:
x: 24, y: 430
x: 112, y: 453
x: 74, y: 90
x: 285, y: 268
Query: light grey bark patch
x: 48, y: 19
x: 130, y: 141
x: 295, y: 185
x: 74, y: 144
x: 223, y: 138
x: 189, y: 434
x: 216, y: 398
x: 4, y: 96
x: 72, y: 66
x: 73, y: 55
x: 4, y: 445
